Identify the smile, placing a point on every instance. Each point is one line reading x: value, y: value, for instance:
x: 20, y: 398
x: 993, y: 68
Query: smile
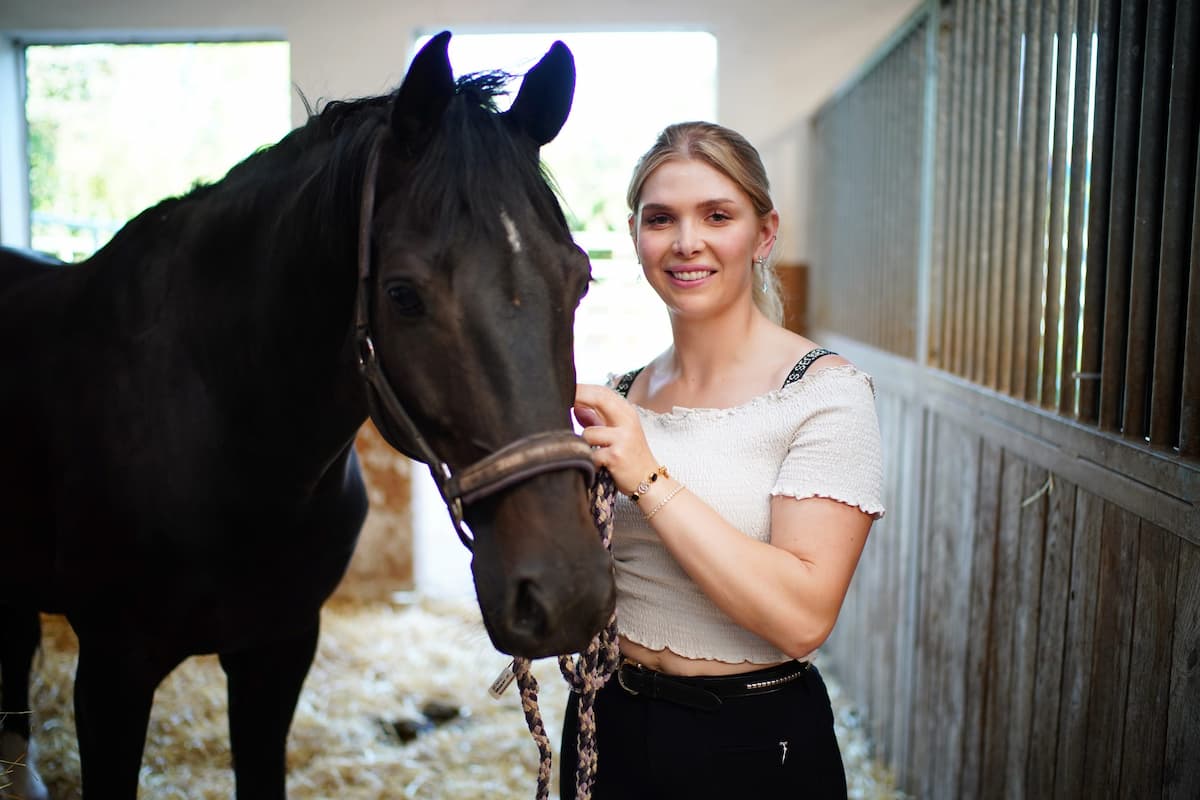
x: 691, y: 275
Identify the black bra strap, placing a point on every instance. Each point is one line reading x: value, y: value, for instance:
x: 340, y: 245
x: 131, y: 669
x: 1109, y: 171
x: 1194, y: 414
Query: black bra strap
x: 803, y: 364
x: 622, y: 387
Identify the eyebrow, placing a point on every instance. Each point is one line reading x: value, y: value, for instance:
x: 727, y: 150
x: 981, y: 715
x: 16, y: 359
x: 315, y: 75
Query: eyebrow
x: 716, y: 201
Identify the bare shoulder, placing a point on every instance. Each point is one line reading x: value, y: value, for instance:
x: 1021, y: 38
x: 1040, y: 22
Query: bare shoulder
x: 796, y: 347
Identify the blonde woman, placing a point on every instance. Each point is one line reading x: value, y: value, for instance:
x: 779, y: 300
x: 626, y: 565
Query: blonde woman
x: 749, y: 466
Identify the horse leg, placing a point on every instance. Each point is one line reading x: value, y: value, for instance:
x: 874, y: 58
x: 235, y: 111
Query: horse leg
x: 264, y: 685
x: 114, y: 691
x: 20, y: 635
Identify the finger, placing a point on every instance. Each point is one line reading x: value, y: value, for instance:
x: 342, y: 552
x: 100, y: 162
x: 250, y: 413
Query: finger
x: 587, y: 416
x: 610, y: 405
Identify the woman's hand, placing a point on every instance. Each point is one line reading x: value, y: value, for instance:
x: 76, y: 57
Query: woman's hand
x: 612, y: 428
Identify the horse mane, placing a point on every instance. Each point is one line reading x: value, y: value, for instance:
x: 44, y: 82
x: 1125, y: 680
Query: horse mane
x: 459, y: 178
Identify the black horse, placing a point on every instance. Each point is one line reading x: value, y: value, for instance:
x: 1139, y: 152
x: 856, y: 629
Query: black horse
x: 178, y: 476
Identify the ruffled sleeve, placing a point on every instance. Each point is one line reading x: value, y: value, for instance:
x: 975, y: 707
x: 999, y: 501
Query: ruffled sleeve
x: 836, y: 452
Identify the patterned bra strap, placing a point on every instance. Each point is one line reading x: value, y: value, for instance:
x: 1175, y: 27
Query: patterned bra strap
x: 626, y: 381
x: 802, y: 365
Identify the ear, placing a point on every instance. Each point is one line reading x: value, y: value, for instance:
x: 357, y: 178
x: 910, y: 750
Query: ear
x: 545, y: 97
x: 425, y: 92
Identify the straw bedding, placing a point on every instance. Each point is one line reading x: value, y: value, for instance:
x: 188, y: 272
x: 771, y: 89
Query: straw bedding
x: 377, y: 665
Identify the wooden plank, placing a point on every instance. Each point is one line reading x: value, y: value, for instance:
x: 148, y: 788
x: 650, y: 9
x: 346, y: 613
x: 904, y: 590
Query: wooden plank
x: 1110, y: 658
x: 1148, y: 211
x: 1078, y: 645
x: 1026, y: 625
x: 1052, y: 636
x: 1107, y: 19
x: 1150, y: 664
x: 957, y: 470
x: 987, y: 519
x: 923, y: 734
x: 1182, y: 768
x: 1002, y: 625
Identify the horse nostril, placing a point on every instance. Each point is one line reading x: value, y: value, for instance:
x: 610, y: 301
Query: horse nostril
x: 529, y: 613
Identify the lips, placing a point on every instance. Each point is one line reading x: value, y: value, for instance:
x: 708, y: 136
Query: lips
x: 690, y: 275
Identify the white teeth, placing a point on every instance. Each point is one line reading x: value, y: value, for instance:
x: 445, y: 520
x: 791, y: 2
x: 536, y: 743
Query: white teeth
x: 692, y: 276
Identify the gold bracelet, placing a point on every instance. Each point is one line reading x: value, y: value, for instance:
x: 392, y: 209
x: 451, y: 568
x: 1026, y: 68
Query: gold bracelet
x: 644, y: 486
x: 665, y: 500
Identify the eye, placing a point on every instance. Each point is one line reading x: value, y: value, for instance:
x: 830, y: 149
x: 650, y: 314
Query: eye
x: 406, y: 300
x: 720, y: 216
x: 657, y: 220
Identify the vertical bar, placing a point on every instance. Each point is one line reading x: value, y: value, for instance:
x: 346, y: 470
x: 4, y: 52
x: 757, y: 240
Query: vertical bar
x: 1077, y: 222
x: 1147, y: 229
x: 1012, y: 195
x: 962, y: 265
x: 1046, y: 85
x: 1002, y: 132
x: 1108, y: 19
x: 1058, y: 200
x: 1189, y: 423
x: 954, y: 167
x: 987, y: 179
x: 932, y: 176
x: 1177, y: 213
x: 1027, y: 215
x: 973, y: 168
x: 1121, y: 208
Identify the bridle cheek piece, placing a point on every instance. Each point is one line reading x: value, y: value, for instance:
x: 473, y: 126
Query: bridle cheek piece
x: 518, y: 461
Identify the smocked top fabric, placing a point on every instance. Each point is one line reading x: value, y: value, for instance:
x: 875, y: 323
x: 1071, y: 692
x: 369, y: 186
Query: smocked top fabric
x: 814, y: 437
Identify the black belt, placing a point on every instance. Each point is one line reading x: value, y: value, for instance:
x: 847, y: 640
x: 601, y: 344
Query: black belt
x: 706, y: 692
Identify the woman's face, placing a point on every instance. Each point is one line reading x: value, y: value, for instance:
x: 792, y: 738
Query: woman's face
x: 696, y: 233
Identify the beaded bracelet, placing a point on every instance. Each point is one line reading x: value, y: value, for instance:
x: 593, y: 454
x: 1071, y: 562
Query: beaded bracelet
x: 644, y: 486
x: 665, y: 500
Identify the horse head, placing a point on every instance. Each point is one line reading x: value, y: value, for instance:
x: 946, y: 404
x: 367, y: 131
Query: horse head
x: 469, y: 280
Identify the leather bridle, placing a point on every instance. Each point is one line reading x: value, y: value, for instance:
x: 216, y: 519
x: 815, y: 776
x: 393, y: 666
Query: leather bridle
x: 531, y: 455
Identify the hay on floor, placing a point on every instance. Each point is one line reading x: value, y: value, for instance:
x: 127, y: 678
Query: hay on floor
x: 376, y: 664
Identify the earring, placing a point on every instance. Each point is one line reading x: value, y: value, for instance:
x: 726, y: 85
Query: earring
x: 760, y: 262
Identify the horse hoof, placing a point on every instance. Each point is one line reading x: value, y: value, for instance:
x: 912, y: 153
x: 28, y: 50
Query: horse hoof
x: 18, y: 774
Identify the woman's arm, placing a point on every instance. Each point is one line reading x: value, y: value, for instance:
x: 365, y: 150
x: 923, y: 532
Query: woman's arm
x: 790, y: 591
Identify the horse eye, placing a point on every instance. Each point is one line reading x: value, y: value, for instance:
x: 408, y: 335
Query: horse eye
x: 406, y: 300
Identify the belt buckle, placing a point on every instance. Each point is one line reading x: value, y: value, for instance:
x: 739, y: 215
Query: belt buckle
x: 621, y: 676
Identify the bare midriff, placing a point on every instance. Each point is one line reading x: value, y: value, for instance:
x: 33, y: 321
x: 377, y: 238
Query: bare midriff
x: 675, y: 664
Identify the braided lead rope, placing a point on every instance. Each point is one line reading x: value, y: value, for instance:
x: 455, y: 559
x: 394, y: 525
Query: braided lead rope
x: 586, y: 674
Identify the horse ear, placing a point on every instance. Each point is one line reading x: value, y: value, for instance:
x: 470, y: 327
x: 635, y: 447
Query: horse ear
x: 545, y: 97
x: 425, y: 92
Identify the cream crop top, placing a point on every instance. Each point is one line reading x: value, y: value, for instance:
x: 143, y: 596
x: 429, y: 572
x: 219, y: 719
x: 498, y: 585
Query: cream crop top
x: 816, y: 437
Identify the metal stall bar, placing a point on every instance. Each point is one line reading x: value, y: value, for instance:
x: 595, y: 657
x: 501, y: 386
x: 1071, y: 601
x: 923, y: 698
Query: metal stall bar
x: 951, y: 121
x: 1003, y: 132
x: 1037, y: 278
x: 965, y: 311
x: 1189, y: 423
x: 986, y: 200
x: 1052, y: 312
x: 1077, y: 221
x: 1014, y: 32
x: 1166, y: 389
x: 1028, y: 216
x: 1121, y: 208
x: 1108, y: 20
x: 1147, y: 228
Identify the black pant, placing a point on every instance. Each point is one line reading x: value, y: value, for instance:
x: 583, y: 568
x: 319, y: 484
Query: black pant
x: 776, y: 745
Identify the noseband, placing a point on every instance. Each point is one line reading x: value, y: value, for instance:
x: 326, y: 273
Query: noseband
x: 531, y: 455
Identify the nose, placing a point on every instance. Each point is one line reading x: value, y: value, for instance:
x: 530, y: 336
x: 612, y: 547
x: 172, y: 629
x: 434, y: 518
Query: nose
x: 543, y: 619
x: 687, y: 240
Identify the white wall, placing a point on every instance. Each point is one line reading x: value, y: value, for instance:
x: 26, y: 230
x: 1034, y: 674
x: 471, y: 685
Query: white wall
x: 778, y: 59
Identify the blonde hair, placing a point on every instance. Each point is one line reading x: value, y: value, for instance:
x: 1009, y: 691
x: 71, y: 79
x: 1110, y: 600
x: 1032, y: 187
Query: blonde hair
x: 728, y: 152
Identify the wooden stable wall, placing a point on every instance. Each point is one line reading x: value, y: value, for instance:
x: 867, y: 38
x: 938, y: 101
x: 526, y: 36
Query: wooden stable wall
x: 1014, y: 629
x: 1025, y: 621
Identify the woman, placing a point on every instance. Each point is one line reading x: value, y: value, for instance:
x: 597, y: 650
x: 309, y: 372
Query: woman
x: 748, y: 462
